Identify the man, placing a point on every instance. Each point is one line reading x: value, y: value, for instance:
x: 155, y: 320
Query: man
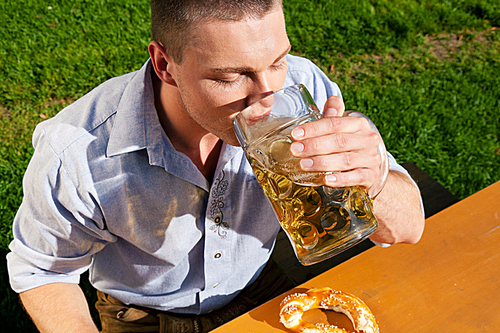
x: 142, y: 180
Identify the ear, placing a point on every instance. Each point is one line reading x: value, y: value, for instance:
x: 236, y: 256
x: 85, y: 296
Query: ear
x: 160, y: 60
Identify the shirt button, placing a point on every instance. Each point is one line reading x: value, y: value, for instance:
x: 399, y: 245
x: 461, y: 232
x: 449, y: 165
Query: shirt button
x: 217, y: 255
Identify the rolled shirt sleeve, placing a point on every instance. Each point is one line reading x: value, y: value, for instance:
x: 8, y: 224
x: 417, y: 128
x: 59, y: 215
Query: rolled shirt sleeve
x: 57, y: 228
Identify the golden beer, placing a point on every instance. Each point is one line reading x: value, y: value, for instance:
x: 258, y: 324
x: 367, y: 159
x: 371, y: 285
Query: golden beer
x: 321, y: 221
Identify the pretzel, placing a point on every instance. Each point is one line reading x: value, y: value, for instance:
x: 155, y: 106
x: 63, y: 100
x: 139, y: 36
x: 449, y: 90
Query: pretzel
x: 293, y: 306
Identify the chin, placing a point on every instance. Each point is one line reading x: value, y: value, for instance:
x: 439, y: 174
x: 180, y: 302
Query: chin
x: 230, y: 139
x: 233, y: 142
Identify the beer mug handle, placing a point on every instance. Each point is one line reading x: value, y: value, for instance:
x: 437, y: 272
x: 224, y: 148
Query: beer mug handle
x: 375, y: 189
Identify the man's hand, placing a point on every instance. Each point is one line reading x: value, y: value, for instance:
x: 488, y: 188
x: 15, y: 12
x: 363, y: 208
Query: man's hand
x: 349, y: 145
x: 336, y: 143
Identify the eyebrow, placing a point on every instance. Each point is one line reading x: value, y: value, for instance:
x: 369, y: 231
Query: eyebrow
x: 247, y: 69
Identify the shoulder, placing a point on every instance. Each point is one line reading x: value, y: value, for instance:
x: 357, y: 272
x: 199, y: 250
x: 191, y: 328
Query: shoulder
x: 87, y: 113
x: 302, y: 70
x: 299, y: 68
x: 298, y: 63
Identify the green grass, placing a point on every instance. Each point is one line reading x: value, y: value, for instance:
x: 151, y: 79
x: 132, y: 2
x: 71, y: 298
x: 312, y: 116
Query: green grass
x: 427, y: 72
x: 50, y: 56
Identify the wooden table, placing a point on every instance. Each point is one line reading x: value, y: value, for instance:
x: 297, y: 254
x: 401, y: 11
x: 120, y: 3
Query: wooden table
x: 448, y: 282
x: 435, y: 198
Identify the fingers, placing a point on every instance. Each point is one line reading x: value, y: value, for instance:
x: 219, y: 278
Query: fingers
x: 344, y: 161
x: 333, y: 135
x: 350, y: 168
x: 346, y: 146
x: 363, y: 177
x: 355, y: 158
x: 329, y: 125
x: 335, y: 143
x: 334, y: 107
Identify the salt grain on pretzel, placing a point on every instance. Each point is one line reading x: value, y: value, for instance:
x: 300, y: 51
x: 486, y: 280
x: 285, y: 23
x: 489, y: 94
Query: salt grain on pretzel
x: 293, y: 307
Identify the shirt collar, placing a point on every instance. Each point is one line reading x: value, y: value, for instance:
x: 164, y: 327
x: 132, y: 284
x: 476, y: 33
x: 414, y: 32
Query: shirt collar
x: 137, y: 127
x: 136, y: 108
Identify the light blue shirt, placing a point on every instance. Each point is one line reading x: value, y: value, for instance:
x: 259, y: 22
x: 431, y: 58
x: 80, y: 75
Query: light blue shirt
x: 106, y: 191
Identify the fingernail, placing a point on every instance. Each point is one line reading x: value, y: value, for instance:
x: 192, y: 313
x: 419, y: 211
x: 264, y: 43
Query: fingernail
x: 331, y: 178
x: 297, y: 148
x: 298, y: 133
x: 332, y: 112
x: 306, y: 163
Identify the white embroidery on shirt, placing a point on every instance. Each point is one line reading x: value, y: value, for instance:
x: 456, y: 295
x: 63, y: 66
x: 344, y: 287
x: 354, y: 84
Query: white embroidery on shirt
x: 216, y: 205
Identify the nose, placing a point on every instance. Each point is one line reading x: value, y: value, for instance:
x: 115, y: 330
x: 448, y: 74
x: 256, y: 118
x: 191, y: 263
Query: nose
x: 260, y: 88
x: 258, y: 110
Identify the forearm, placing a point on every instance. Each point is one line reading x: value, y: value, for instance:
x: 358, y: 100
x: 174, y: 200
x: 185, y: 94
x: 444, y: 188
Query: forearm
x: 398, y: 211
x: 58, y: 307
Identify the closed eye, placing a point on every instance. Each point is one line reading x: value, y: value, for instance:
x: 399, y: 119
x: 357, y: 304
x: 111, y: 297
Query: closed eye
x: 227, y: 82
x: 220, y: 82
x: 278, y: 66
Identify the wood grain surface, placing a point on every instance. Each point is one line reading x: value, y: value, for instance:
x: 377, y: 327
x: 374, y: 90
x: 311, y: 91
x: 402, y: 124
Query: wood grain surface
x: 448, y: 282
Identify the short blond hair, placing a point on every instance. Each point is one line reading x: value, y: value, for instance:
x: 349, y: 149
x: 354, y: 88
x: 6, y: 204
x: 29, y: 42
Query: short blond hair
x: 172, y: 21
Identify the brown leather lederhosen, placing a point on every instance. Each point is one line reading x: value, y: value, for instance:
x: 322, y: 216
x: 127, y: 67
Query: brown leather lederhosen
x: 116, y: 317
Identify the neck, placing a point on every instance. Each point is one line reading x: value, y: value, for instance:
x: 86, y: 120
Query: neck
x: 187, y: 136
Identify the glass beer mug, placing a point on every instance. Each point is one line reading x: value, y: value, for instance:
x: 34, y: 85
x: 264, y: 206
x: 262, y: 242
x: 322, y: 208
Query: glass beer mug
x: 320, y: 221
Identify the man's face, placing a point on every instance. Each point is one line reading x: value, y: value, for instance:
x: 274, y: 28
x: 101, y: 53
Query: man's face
x: 229, y: 66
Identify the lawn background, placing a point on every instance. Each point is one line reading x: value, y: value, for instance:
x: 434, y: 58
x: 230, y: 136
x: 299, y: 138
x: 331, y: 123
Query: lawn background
x: 426, y: 72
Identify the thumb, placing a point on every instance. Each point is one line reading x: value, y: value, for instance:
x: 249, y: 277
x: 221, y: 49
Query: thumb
x: 334, y: 107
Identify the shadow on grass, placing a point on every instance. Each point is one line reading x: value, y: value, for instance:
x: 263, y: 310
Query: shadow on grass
x: 12, y: 315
